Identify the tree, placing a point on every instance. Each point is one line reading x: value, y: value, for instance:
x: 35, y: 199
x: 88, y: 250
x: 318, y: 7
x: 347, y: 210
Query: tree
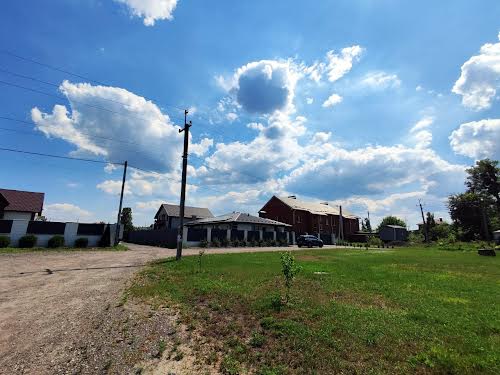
x: 470, y: 213
x: 126, y: 219
x: 391, y: 220
x: 366, y: 226
x: 431, y: 223
x: 484, y: 179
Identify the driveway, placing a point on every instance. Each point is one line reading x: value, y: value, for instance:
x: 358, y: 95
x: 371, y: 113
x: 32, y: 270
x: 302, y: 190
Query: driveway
x: 55, y: 305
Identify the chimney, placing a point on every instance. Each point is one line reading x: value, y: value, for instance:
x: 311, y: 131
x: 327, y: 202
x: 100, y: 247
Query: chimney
x: 440, y: 219
x: 292, y: 196
x: 325, y: 203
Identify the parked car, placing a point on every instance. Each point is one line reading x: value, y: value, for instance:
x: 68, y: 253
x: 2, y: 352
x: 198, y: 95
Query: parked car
x: 309, y: 241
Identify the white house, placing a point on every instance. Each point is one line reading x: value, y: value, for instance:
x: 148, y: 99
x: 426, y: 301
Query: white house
x: 20, y: 205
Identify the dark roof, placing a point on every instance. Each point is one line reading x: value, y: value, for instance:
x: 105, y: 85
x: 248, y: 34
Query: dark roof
x: 238, y: 217
x: 23, y: 201
x: 395, y: 226
x: 174, y: 211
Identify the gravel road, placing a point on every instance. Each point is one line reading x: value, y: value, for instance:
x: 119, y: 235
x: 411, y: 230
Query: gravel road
x: 59, y: 310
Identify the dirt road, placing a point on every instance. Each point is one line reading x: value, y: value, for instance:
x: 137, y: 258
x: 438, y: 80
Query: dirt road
x: 59, y: 310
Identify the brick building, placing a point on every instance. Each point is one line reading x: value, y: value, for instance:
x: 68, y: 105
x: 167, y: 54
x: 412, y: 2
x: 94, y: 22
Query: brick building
x: 310, y: 217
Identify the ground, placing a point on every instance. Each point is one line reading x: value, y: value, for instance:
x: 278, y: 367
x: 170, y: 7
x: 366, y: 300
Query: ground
x: 63, y: 311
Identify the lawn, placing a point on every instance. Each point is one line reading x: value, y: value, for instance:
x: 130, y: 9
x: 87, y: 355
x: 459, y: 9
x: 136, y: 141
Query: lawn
x: 14, y: 250
x: 352, y: 311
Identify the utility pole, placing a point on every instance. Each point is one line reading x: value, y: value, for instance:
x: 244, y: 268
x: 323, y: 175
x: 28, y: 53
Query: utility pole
x: 426, y: 230
x: 117, y: 233
x: 180, y: 234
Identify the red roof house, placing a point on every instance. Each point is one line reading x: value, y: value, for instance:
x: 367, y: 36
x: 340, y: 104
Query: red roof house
x: 20, y: 205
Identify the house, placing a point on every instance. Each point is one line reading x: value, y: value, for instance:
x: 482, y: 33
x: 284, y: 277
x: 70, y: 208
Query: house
x: 310, y: 217
x: 496, y: 236
x: 390, y: 233
x: 20, y: 205
x: 439, y: 221
x: 168, y: 215
x: 241, y: 226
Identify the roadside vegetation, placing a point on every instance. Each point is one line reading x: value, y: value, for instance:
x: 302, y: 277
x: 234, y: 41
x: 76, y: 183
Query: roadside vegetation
x: 409, y: 310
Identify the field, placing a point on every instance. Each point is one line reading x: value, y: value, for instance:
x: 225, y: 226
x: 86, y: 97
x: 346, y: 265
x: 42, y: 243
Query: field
x: 352, y: 311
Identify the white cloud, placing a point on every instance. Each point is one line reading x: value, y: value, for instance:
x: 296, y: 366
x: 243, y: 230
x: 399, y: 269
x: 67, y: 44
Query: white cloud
x: 109, y: 168
x: 480, y: 78
x: 419, y: 88
x: 309, y: 100
x: 321, y: 137
x: 130, y: 128
x: 113, y: 187
x: 151, y: 10
x: 338, y: 65
x: 380, y: 80
x: 477, y: 139
x: 421, y: 135
x: 201, y: 148
x: 231, y: 116
x: 424, y: 123
x: 332, y: 100
x: 66, y: 212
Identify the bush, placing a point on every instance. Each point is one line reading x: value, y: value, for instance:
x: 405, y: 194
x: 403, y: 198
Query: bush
x: 203, y: 243
x: 82, y: 242
x: 290, y: 269
x: 56, y: 241
x: 4, y: 241
x: 215, y: 243
x: 374, y: 241
x: 28, y: 241
x: 225, y: 242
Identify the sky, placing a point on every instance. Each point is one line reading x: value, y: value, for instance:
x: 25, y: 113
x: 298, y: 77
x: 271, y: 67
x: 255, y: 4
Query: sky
x: 369, y: 104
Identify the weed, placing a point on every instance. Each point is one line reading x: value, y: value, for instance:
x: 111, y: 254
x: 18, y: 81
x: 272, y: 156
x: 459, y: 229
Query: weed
x: 257, y: 340
x: 290, y: 269
x: 230, y: 366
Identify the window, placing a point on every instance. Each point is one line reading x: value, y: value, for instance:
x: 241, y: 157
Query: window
x: 299, y: 219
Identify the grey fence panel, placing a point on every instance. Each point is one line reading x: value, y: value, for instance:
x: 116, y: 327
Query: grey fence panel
x: 157, y: 237
x: 45, y: 227
x: 253, y: 235
x: 5, y: 226
x: 268, y: 235
x: 195, y: 234
x: 90, y: 229
x: 237, y: 234
x: 219, y: 234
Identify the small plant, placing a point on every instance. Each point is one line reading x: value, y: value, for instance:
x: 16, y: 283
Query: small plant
x: 236, y: 243
x: 200, y: 256
x: 229, y: 366
x: 216, y: 242
x: 28, y: 241
x: 203, y: 243
x: 225, y: 242
x: 56, y: 241
x: 257, y: 340
x: 4, y: 241
x: 290, y: 269
x: 81, y: 242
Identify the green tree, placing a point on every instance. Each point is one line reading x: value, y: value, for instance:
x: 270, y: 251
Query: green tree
x: 470, y: 212
x: 126, y: 219
x: 367, y: 226
x: 484, y: 179
x: 431, y: 223
x: 391, y: 220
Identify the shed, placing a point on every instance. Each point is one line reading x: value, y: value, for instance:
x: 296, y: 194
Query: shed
x: 496, y: 236
x: 390, y: 233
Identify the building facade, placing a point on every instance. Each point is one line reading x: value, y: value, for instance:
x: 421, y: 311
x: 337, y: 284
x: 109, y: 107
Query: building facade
x: 168, y: 216
x: 309, y: 217
x: 20, y: 205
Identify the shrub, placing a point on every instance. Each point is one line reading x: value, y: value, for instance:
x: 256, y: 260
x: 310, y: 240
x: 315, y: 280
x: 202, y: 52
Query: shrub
x: 225, y: 242
x: 56, y: 241
x: 82, y: 242
x: 4, y: 241
x: 216, y: 242
x: 28, y: 241
x: 257, y: 340
x: 290, y: 269
x: 235, y: 243
x: 374, y: 241
x: 203, y: 243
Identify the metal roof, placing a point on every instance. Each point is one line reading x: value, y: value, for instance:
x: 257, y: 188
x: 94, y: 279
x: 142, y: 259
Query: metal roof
x: 238, y: 217
x: 23, y: 201
x: 395, y: 226
x: 189, y: 212
x: 316, y: 208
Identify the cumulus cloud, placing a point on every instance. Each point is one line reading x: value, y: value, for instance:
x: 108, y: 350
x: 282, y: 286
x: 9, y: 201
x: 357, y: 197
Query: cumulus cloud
x: 338, y: 65
x: 201, y: 148
x: 380, y: 80
x: 231, y: 116
x: 420, y: 132
x: 309, y: 100
x: 477, y: 139
x: 151, y: 10
x: 340, y: 173
x: 263, y: 86
x: 66, y: 212
x: 332, y: 100
x: 128, y: 128
x: 480, y: 78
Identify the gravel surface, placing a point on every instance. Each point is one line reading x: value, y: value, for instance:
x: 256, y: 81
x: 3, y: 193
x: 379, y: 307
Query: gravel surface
x: 63, y: 313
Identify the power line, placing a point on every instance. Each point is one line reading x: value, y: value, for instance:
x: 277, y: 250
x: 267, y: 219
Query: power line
x: 65, y: 71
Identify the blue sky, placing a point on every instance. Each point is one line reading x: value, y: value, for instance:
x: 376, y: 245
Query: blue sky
x: 368, y: 104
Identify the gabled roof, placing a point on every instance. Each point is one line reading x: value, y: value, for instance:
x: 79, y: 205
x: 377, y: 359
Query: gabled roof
x: 316, y: 208
x: 174, y: 211
x: 395, y: 226
x: 23, y: 201
x: 238, y: 217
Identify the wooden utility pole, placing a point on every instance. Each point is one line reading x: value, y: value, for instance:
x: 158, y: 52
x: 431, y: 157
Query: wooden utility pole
x: 180, y: 234
x: 118, y: 220
x: 426, y: 229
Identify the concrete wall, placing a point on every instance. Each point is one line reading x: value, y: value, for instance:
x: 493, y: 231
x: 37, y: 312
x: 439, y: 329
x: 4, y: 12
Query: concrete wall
x: 20, y: 227
x: 14, y: 215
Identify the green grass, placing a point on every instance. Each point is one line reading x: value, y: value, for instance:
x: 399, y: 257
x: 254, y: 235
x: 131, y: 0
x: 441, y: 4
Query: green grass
x: 382, y: 311
x: 14, y: 250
